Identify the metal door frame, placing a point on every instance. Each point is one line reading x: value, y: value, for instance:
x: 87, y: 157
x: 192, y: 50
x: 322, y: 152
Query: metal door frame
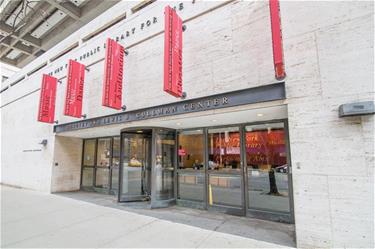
x: 190, y: 203
x: 162, y: 203
x: 263, y: 214
x: 240, y: 211
x: 120, y: 181
x: 94, y: 167
x: 287, y: 217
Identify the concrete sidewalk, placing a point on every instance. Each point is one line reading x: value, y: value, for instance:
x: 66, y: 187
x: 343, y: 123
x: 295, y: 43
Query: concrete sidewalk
x: 33, y: 219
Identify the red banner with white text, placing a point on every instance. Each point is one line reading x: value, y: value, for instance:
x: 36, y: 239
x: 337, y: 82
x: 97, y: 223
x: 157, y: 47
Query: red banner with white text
x: 172, y: 53
x: 47, y: 99
x: 74, y: 89
x: 113, y: 72
x: 277, y: 40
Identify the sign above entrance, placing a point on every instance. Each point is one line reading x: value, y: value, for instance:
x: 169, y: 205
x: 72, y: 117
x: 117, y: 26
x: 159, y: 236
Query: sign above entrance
x: 241, y: 97
x: 74, y: 89
x: 172, y: 52
x: 113, y: 71
x: 47, y: 100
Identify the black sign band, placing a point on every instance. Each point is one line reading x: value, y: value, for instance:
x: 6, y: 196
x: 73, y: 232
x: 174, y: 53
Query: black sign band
x: 241, y: 97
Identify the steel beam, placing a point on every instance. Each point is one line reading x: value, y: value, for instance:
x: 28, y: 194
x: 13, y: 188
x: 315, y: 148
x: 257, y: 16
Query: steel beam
x: 68, y: 8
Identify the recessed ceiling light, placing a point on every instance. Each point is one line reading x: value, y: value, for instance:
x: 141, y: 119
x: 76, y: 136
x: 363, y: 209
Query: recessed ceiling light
x: 214, y: 120
x: 139, y: 131
x: 260, y: 114
x: 178, y: 123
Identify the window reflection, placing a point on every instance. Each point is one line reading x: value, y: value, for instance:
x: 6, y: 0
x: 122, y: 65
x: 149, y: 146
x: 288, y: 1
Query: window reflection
x: 104, y: 152
x: 224, y: 190
x: 191, y: 187
x: 89, y: 152
x: 115, y: 162
x: 164, y: 164
x: 267, y: 167
x: 224, y: 149
x: 191, y: 149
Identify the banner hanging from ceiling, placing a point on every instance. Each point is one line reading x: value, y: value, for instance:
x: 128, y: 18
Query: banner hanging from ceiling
x: 277, y: 40
x: 47, y: 99
x: 172, y: 52
x: 113, y: 72
x: 74, y: 89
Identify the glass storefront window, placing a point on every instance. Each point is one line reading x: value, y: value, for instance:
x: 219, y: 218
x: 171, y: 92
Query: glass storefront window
x: 191, y: 187
x: 267, y: 168
x: 224, y: 190
x: 89, y: 152
x: 115, y: 162
x: 104, y: 152
x: 191, y: 150
x: 191, y: 178
x: 224, y: 149
x: 87, y: 177
x: 102, y: 178
x: 164, y: 164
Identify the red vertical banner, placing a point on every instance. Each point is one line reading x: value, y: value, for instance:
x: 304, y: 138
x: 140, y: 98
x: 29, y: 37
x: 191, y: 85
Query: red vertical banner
x: 113, y: 71
x: 172, y: 53
x: 74, y: 89
x: 47, y: 99
x: 277, y: 42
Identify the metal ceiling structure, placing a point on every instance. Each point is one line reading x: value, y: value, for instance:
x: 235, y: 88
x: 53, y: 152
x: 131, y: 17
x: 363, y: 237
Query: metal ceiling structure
x: 28, y: 28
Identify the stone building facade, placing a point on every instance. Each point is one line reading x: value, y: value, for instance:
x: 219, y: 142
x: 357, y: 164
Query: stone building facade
x: 227, y: 46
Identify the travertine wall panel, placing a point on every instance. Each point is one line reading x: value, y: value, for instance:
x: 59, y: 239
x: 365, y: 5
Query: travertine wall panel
x: 66, y: 170
x: 329, y: 61
x: 328, y: 49
x: 24, y: 161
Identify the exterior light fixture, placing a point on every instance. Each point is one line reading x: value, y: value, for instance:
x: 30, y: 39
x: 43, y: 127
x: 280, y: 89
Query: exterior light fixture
x: 260, y: 114
x: 44, y: 142
x: 178, y: 123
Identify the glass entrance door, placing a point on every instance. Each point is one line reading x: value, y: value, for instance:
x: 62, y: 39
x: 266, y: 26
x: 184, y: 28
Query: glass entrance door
x: 224, y: 171
x: 267, y: 170
x: 135, y: 166
x: 163, y: 167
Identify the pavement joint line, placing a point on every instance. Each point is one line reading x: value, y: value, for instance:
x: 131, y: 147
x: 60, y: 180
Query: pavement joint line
x: 55, y: 230
x: 131, y: 232
x: 211, y: 233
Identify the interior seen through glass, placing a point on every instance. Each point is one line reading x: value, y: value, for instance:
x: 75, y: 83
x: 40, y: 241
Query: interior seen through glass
x: 213, y: 175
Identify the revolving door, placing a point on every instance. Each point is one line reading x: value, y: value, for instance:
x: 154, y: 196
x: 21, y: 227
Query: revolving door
x: 147, y: 166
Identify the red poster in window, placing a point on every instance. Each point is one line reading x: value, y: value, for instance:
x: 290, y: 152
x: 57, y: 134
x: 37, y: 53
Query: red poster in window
x: 113, y: 71
x: 277, y: 40
x: 74, y: 89
x: 181, y: 152
x: 47, y: 99
x: 172, y: 53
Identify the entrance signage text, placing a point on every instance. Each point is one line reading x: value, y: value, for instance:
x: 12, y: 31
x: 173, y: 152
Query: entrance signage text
x: 172, y: 52
x: 74, y: 89
x: 47, y: 99
x: 113, y: 72
x: 230, y: 99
